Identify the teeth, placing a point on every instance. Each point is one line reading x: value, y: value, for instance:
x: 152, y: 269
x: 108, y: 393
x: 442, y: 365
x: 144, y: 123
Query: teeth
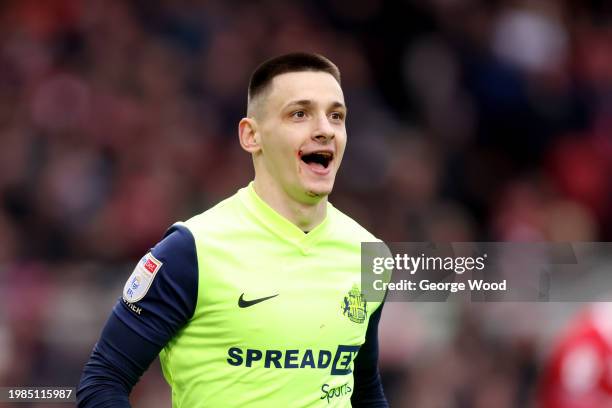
x: 327, y: 155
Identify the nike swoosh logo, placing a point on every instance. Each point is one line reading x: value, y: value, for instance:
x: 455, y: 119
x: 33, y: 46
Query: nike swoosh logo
x: 246, y: 303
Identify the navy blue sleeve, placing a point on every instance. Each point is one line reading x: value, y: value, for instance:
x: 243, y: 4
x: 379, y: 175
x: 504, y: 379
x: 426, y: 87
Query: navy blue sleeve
x: 368, y: 392
x: 136, y: 332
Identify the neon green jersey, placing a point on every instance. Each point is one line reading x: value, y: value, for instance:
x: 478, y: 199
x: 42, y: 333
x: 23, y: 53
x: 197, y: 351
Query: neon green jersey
x: 279, y: 318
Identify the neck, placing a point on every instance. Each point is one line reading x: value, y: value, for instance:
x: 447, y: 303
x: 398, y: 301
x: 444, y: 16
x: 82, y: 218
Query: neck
x: 306, y: 216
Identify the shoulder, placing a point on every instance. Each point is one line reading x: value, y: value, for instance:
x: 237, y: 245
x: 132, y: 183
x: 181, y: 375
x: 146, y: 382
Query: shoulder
x: 348, y: 227
x: 223, y: 215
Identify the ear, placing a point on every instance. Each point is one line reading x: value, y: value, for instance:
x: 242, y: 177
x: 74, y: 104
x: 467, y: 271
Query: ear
x: 247, y: 133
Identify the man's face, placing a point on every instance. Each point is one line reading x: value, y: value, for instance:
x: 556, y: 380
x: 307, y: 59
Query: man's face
x: 301, y: 121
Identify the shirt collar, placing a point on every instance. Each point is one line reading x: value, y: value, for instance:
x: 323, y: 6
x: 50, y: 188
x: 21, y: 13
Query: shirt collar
x: 278, y: 224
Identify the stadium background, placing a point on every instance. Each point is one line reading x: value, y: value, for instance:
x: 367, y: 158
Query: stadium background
x: 468, y: 121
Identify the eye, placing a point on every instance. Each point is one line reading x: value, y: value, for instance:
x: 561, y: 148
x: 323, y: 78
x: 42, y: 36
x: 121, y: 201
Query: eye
x: 337, y: 116
x: 298, y: 114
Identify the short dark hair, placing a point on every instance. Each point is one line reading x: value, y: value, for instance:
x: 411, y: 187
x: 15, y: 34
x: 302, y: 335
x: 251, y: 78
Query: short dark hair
x: 294, y: 62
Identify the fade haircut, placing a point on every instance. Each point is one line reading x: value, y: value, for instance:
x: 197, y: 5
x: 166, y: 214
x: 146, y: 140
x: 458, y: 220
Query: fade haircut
x: 294, y: 62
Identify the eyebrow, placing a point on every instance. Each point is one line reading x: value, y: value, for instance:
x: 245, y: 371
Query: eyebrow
x: 308, y: 102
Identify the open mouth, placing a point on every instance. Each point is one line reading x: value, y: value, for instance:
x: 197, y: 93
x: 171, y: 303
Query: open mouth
x: 317, y: 159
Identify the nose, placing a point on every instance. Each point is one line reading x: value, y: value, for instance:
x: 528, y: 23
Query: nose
x: 324, y: 132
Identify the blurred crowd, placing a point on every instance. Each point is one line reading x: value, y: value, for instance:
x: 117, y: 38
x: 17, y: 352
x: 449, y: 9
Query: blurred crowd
x: 469, y: 120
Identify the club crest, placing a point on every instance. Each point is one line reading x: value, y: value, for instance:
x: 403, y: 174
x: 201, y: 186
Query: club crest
x: 354, y: 306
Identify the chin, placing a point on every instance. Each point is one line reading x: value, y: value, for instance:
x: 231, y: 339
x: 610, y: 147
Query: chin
x: 316, y: 194
x: 318, y: 191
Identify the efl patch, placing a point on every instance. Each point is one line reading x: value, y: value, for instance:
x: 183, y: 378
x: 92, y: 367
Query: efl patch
x: 140, y: 281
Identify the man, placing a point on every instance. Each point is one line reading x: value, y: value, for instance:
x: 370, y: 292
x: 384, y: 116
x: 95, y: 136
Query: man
x: 578, y: 373
x: 256, y: 302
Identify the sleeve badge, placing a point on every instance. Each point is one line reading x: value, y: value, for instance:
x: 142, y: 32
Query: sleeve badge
x: 139, y: 282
